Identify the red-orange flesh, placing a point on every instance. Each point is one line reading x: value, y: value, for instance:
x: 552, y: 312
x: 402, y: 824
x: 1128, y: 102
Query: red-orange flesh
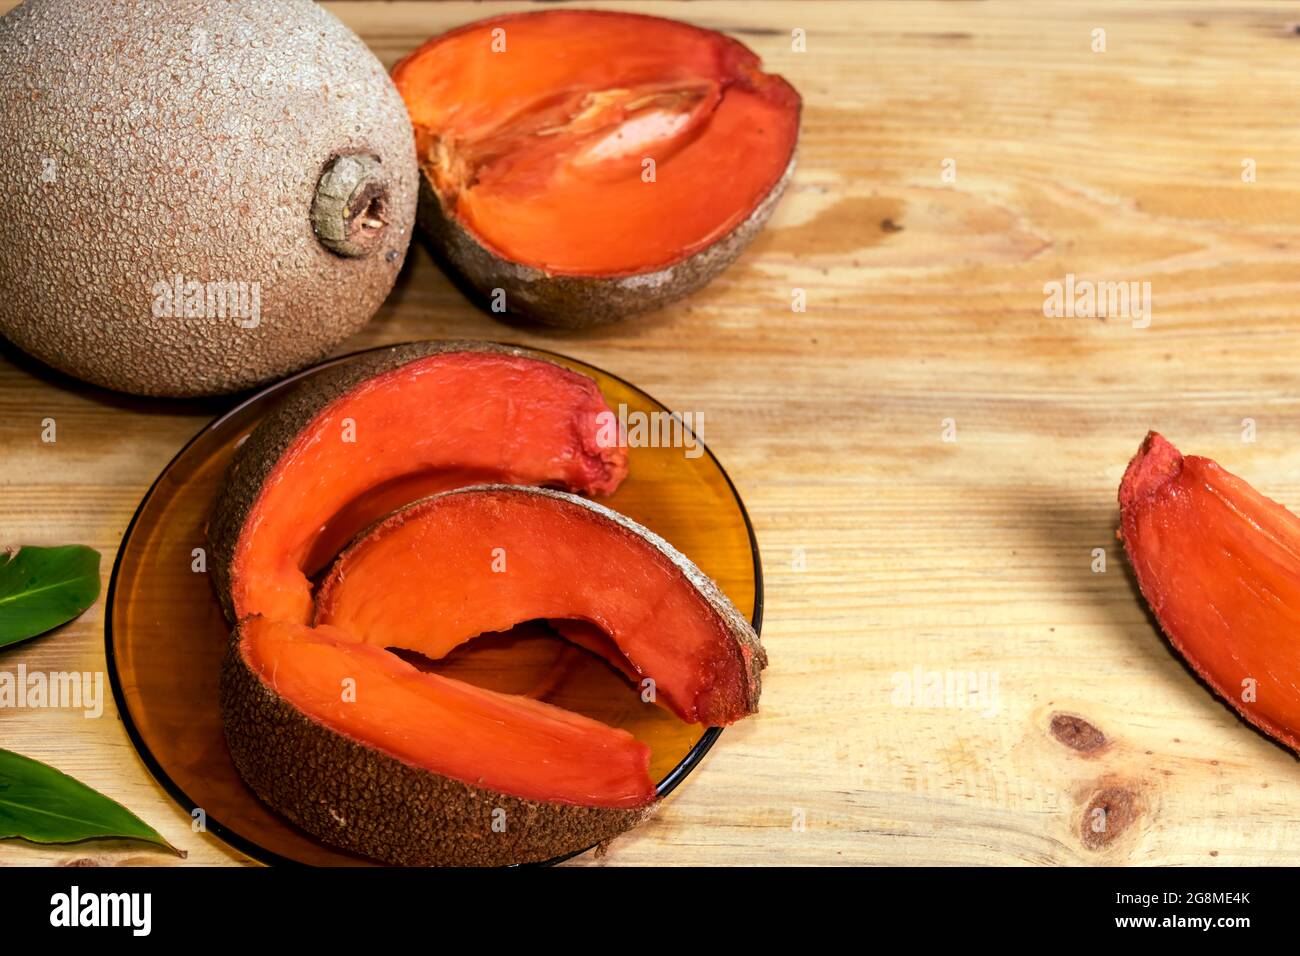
x: 1219, y: 564
x: 447, y: 569
x: 503, y: 742
x: 535, y: 129
x: 433, y: 423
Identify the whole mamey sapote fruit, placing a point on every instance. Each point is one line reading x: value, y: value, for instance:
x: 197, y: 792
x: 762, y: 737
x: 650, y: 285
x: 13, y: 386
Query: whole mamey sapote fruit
x: 198, y: 196
x: 590, y: 165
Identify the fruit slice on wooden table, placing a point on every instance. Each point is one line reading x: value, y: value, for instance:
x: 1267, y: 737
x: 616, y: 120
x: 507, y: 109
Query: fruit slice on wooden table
x: 416, y: 769
x: 595, y: 164
x: 459, y: 564
x: 356, y: 442
x: 1219, y: 564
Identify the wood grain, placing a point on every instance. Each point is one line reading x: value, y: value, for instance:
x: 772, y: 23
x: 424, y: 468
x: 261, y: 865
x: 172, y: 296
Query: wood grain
x: 888, y: 549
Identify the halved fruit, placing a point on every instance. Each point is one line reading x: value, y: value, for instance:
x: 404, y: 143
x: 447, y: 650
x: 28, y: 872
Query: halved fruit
x: 368, y: 753
x: 595, y: 164
x: 357, y: 441
x: 1219, y: 564
x: 444, y: 570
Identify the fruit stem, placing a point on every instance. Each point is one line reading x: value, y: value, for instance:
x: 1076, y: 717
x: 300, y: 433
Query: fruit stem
x: 349, y: 209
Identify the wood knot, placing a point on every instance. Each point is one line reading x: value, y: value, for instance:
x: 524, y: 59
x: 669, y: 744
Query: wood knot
x: 1077, y: 733
x: 1110, y: 812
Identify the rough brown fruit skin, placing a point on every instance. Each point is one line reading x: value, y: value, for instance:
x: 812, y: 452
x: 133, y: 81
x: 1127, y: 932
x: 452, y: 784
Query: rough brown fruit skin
x: 146, y: 141
x: 260, y: 453
x: 574, y: 302
x: 369, y: 802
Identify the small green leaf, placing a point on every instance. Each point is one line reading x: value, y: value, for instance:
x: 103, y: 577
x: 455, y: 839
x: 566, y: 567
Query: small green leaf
x: 44, y: 805
x: 41, y: 588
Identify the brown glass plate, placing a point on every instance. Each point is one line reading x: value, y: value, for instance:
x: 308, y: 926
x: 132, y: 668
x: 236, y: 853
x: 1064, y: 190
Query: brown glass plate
x: 165, y: 634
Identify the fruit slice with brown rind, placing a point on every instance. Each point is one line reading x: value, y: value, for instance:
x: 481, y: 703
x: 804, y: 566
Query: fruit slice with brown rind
x: 446, y: 569
x: 356, y: 441
x: 372, y: 755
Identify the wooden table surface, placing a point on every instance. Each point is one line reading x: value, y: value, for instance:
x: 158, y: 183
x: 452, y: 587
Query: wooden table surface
x: 955, y: 158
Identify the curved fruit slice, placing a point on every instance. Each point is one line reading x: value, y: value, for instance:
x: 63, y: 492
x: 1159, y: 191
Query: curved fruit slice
x: 591, y: 638
x: 370, y: 754
x: 1219, y: 564
x: 403, y: 423
x: 595, y: 164
x: 451, y: 567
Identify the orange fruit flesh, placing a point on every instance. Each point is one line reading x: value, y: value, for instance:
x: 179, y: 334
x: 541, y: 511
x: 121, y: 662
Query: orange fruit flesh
x: 1219, y: 564
x: 451, y: 568
x: 535, y: 131
x: 431, y: 424
x: 502, y: 742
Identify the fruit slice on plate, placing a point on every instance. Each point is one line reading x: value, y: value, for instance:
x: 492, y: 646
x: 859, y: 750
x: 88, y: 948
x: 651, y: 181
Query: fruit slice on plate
x: 1219, y: 565
x: 407, y: 422
x: 595, y: 164
x: 367, y: 752
x: 446, y: 569
x: 370, y: 754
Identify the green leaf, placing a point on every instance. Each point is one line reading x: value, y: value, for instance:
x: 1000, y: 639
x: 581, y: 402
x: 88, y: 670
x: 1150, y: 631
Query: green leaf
x: 44, y: 805
x: 41, y: 588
